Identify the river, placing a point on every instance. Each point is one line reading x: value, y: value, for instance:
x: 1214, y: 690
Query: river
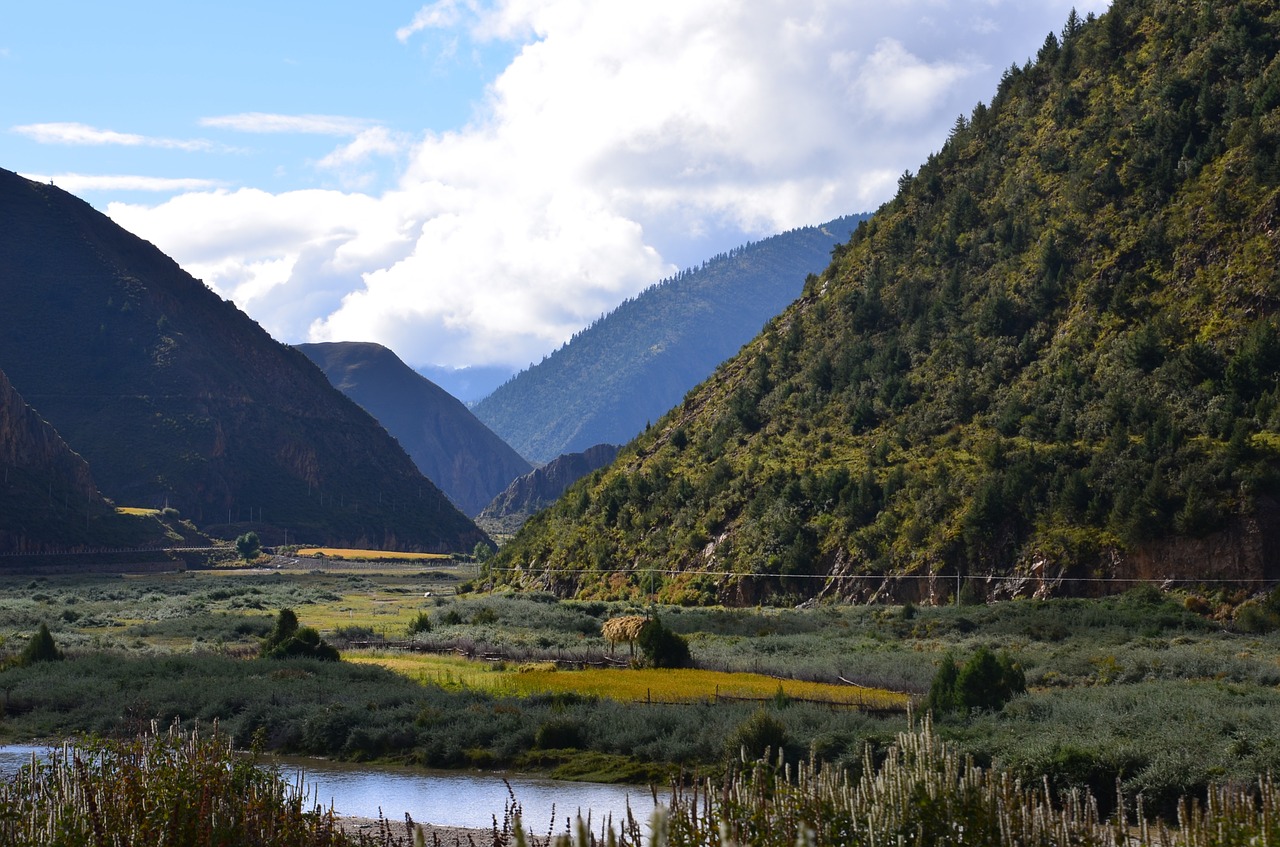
x: 444, y: 798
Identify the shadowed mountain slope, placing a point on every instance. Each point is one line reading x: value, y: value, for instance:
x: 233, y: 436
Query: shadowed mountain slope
x: 47, y: 496
x: 48, y: 499
x: 447, y: 443
x: 1050, y: 363
x: 541, y: 487
x: 175, y: 396
x: 632, y: 365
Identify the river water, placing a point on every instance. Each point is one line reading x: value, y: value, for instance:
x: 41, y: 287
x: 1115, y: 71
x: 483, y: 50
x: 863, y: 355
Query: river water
x: 444, y: 798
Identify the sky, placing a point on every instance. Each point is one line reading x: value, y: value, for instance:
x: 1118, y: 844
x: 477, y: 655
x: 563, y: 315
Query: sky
x: 470, y: 182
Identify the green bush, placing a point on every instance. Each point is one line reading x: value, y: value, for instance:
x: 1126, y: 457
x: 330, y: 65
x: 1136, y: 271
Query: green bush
x: 419, y: 623
x: 1259, y: 616
x: 41, y: 648
x: 290, y: 641
x: 248, y: 546
x: 663, y: 648
x: 559, y: 734
x: 986, y: 682
x: 760, y: 735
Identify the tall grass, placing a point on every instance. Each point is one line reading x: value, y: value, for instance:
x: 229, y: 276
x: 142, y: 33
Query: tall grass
x: 926, y: 793
x: 169, y: 787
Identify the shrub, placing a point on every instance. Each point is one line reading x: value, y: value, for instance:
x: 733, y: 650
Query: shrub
x: 986, y: 682
x: 41, y: 648
x: 420, y: 623
x: 248, y: 546
x: 289, y: 641
x: 663, y: 648
x: 484, y: 615
x: 760, y: 734
x: 1259, y: 616
x: 559, y: 734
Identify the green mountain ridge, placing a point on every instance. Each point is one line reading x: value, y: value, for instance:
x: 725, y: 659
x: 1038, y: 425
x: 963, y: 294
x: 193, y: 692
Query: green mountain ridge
x: 633, y: 364
x: 175, y: 397
x: 451, y: 447
x: 1048, y: 363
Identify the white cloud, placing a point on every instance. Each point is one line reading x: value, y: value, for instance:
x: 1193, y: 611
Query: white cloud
x: 899, y: 88
x: 91, y: 182
x: 620, y: 136
x: 378, y: 141
x: 82, y: 134
x: 442, y: 14
x: 264, y: 122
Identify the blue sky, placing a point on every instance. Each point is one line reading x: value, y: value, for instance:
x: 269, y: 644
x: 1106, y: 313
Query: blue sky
x: 471, y: 181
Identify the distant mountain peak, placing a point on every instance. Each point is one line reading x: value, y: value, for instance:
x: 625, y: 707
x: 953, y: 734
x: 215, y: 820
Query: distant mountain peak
x: 633, y: 364
x: 445, y: 440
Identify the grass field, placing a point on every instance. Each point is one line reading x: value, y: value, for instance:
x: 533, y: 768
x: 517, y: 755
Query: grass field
x: 1166, y: 692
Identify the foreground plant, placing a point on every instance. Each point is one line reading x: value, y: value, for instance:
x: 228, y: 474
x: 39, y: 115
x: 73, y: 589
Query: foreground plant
x: 925, y: 793
x: 173, y: 788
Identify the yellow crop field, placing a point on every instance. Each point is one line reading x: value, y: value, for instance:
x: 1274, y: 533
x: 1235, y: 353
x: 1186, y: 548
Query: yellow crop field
x: 626, y: 684
x: 687, y: 684
x: 136, y: 511
x: 445, y: 671
x: 368, y: 554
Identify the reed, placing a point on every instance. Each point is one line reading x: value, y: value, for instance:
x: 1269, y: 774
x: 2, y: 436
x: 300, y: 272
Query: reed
x: 171, y: 787
x: 926, y: 793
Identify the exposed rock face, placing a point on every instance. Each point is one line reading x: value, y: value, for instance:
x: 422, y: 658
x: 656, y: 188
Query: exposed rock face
x: 1247, y: 551
x: 175, y: 396
x: 449, y: 444
x: 542, y: 486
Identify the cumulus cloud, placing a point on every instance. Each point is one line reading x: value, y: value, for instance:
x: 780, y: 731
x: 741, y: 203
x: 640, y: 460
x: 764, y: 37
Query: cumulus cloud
x: 82, y: 134
x: 265, y: 122
x: 622, y: 141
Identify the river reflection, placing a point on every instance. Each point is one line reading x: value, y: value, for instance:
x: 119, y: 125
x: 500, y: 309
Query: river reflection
x: 445, y: 798
x: 452, y: 798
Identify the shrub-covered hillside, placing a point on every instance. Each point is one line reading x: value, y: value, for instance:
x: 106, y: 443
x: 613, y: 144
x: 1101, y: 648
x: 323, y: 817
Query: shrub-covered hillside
x: 1053, y: 354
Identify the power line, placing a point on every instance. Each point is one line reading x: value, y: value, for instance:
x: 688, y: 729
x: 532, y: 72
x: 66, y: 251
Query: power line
x: 844, y: 577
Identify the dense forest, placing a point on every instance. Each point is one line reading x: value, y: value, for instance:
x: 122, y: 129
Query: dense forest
x: 1055, y: 351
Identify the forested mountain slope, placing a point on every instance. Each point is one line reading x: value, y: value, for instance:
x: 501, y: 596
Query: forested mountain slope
x: 1053, y: 355
x: 449, y: 444
x: 176, y: 397
x: 631, y: 366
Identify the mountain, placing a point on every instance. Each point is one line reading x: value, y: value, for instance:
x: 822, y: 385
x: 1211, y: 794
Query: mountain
x: 48, y: 499
x: 448, y: 444
x: 1050, y: 363
x: 174, y: 396
x: 541, y: 487
x: 632, y: 365
x: 42, y: 480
